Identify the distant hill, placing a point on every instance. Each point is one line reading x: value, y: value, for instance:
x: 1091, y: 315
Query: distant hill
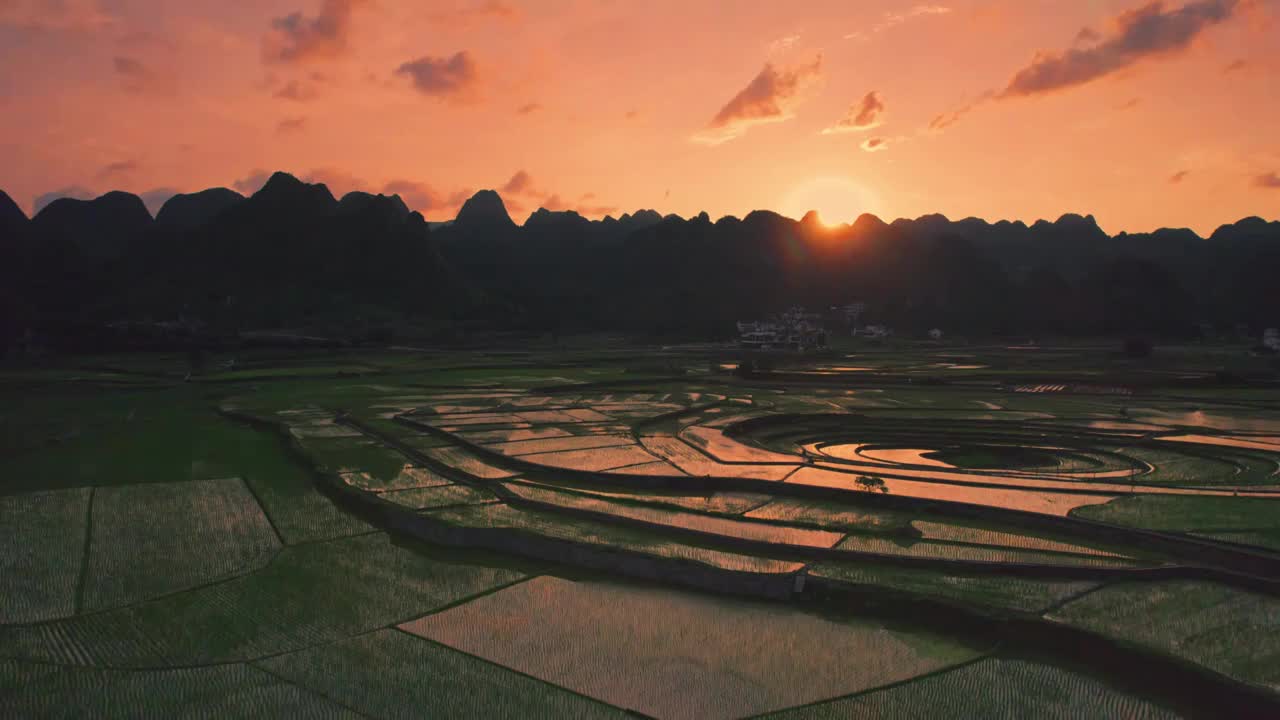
x: 12, y: 219
x: 105, y: 227
x: 291, y: 255
x: 189, y: 211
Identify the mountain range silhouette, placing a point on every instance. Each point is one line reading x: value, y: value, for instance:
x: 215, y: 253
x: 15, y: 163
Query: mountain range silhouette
x: 291, y: 255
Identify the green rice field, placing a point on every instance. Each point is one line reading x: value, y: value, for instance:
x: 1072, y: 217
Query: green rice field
x: 399, y: 533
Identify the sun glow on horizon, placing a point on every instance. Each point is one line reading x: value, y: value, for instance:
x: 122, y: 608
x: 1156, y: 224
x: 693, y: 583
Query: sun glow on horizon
x: 837, y: 200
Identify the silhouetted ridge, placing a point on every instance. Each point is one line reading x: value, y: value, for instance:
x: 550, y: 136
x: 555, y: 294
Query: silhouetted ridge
x: 191, y: 210
x: 291, y: 256
x: 286, y: 193
x: 101, y: 228
x: 11, y: 216
x: 484, y: 211
x: 391, y: 205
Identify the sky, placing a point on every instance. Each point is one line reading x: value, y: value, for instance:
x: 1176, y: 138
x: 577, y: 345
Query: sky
x: 1143, y: 113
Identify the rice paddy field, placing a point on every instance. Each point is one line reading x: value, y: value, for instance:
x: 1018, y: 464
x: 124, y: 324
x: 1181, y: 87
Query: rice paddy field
x: 884, y: 531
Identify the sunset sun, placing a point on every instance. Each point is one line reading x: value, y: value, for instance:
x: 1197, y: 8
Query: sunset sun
x: 836, y: 199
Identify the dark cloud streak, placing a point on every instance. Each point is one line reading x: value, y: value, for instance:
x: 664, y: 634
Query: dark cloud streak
x: 1147, y: 31
x: 454, y: 76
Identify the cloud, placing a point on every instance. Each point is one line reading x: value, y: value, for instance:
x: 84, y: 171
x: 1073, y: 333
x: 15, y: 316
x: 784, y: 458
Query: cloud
x: 298, y: 38
x: 783, y: 44
x: 54, y: 15
x: 1129, y: 104
x: 483, y: 10
x: 1087, y: 36
x: 122, y: 167
x: 1235, y: 65
x: 426, y: 199
x: 1270, y: 181
x: 1144, y: 32
x: 555, y: 203
x: 297, y: 91
x: 454, y: 76
x: 155, y: 199
x: 945, y: 120
x: 1179, y: 176
x: 597, y: 211
x: 768, y: 98
x: 528, y: 108
x: 253, y: 182
x: 136, y: 77
x: 291, y: 125
x: 520, y: 184
x: 875, y: 144
x: 862, y: 116
x: 892, y: 20
x: 340, y: 182
x: 632, y: 114
x: 78, y: 192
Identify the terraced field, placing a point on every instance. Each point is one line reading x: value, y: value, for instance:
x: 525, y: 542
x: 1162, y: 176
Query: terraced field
x: 472, y: 536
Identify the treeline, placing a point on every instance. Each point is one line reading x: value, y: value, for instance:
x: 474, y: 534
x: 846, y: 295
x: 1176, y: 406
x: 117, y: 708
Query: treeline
x: 293, y: 256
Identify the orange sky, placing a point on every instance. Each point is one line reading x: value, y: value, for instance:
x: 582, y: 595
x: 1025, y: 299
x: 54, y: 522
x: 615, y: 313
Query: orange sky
x: 1145, y: 114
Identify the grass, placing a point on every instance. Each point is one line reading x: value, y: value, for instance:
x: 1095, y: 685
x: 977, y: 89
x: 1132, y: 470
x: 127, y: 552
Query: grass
x: 391, y: 674
x: 226, y: 691
x: 986, y: 592
x: 729, y: 527
x: 975, y: 553
x: 1234, y: 632
x: 605, y: 536
x: 309, y: 595
x: 41, y: 553
x: 993, y: 688
x: 835, y: 516
x: 150, y: 540
x: 1156, y: 512
x: 439, y: 496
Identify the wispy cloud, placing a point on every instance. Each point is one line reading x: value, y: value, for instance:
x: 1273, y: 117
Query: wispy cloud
x: 1270, y: 181
x: 252, y: 182
x: 864, y: 115
x: 112, y: 170
x: 529, y: 108
x: 945, y: 120
x: 769, y: 98
x: 339, y: 181
x: 155, y: 199
x: 1179, y: 176
x: 875, y: 144
x: 291, y: 125
x: 138, y: 77
x: 55, y: 15
x: 426, y: 199
x: 891, y: 20
x: 474, y: 12
x: 79, y: 192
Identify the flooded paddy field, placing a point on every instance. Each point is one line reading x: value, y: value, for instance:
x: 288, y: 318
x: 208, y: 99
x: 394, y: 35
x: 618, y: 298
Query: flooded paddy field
x: 394, y: 533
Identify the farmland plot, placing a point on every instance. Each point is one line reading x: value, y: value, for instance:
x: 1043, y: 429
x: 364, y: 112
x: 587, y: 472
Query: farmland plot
x: 41, y: 552
x: 149, y: 540
x: 391, y: 674
x: 310, y: 594
x: 237, y: 690
x: 992, y: 688
x: 1234, y: 632
x: 680, y: 655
